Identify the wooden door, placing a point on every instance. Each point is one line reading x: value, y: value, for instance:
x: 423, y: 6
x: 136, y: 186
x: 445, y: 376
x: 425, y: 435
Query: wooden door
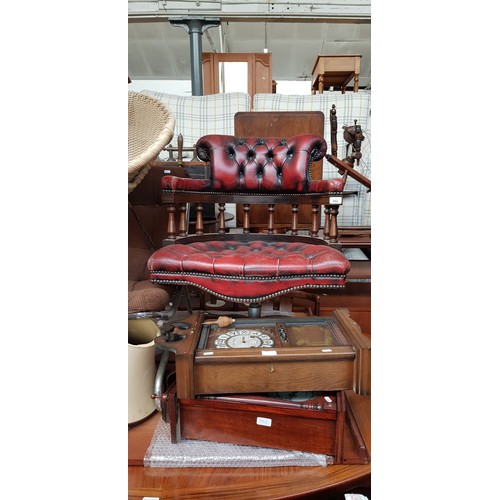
x: 259, y: 71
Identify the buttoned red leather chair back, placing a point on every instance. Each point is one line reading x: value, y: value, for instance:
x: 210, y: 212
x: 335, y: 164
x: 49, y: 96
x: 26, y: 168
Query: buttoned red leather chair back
x: 255, y: 164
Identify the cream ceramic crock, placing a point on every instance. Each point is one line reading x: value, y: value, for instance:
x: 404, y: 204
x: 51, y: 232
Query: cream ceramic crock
x: 141, y: 368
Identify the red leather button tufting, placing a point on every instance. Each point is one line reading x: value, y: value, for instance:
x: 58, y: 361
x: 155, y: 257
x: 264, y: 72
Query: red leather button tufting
x: 249, y: 270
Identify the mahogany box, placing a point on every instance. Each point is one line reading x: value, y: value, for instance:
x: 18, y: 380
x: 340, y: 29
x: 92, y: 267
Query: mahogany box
x: 319, y: 422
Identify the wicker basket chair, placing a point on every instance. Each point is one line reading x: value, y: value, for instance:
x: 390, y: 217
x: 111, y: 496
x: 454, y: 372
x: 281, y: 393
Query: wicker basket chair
x: 150, y: 128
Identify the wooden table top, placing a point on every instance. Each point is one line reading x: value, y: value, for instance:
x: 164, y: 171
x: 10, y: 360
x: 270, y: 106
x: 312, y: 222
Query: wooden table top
x: 326, y: 58
x: 256, y: 483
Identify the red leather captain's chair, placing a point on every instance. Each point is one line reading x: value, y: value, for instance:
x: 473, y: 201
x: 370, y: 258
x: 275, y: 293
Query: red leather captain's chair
x: 240, y: 266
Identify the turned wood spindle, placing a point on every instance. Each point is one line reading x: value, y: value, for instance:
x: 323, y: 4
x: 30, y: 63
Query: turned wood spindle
x: 295, y: 219
x: 180, y: 144
x: 199, y: 219
x: 326, y: 230
x: 171, y: 228
x: 246, y: 218
x: 334, y: 233
x: 222, y: 220
x: 333, y: 129
x: 183, y: 231
x: 270, y: 221
x: 315, y: 220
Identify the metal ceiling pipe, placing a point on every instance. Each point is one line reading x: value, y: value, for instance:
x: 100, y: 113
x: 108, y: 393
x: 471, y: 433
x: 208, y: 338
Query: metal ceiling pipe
x: 195, y: 27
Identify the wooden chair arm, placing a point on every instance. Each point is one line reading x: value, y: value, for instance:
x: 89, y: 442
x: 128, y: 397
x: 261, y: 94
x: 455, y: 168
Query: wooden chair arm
x: 343, y: 165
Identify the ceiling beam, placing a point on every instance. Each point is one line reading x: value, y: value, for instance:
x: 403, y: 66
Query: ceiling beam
x: 234, y: 10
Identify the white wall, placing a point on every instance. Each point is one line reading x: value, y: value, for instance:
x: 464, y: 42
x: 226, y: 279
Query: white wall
x: 176, y: 87
x: 183, y: 87
x: 293, y: 88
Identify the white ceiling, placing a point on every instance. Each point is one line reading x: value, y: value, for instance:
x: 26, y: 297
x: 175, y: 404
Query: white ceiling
x: 157, y: 50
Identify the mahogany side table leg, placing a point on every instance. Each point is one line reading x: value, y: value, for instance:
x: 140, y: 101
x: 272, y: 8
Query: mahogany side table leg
x: 356, y: 82
x: 321, y: 84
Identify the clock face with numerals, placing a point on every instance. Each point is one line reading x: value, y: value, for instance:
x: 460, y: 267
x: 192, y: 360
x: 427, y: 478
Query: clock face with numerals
x: 243, y: 337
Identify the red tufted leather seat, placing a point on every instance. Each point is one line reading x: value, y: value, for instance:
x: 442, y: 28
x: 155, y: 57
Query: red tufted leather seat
x: 249, y: 271
x: 248, y: 267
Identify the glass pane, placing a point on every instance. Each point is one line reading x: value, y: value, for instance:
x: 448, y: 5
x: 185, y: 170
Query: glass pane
x: 233, y: 77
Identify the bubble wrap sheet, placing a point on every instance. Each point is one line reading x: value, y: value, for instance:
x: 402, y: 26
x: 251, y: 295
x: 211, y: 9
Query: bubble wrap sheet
x: 195, y: 453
